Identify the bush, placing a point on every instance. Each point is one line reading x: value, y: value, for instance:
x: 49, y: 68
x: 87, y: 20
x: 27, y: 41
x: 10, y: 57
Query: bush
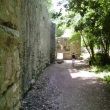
x: 102, y: 59
x: 107, y: 79
x: 99, y: 69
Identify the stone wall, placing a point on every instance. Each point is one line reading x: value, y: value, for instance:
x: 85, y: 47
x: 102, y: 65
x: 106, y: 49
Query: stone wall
x: 35, y: 32
x: 52, y: 43
x: 64, y: 46
x: 24, y: 48
x: 10, y: 78
x: 10, y: 71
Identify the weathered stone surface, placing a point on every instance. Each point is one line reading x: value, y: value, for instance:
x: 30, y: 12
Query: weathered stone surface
x: 9, y: 12
x: 52, y: 43
x: 24, y: 48
x: 64, y: 46
x: 35, y: 32
x: 9, y: 69
x: 9, y: 57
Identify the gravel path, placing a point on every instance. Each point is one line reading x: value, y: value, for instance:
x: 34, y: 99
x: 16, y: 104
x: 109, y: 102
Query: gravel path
x: 63, y: 87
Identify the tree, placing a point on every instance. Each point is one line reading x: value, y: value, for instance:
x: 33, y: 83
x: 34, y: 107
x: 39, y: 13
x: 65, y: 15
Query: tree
x: 94, y: 23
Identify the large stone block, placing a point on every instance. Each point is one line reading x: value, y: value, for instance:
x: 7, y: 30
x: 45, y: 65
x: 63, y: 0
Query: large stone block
x: 13, y: 96
x: 3, y: 103
x: 9, y: 57
x: 9, y: 67
x: 9, y: 13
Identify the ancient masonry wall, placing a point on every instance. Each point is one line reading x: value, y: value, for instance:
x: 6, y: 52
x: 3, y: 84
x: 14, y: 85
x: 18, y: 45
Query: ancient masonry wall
x: 25, y: 48
x: 52, y: 43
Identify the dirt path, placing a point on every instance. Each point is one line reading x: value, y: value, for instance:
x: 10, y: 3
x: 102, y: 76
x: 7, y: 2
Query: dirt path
x: 62, y: 87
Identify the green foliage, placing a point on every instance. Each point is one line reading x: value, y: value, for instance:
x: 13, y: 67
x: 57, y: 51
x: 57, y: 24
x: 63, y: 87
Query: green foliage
x: 75, y: 37
x: 106, y: 24
x: 101, y: 69
x: 60, y: 28
x: 48, y: 3
x: 107, y: 79
x: 103, y: 72
x: 102, y: 59
x: 59, y: 32
x: 93, y: 25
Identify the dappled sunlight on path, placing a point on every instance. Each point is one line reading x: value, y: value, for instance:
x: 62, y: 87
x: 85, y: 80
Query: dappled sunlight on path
x: 80, y: 88
x: 80, y: 70
x: 81, y: 74
x: 69, y: 88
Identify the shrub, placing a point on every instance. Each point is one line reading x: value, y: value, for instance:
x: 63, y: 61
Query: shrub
x: 107, y: 79
x: 102, y: 59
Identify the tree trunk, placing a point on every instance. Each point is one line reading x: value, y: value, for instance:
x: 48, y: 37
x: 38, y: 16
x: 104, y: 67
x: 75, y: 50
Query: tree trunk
x: 86, y: 45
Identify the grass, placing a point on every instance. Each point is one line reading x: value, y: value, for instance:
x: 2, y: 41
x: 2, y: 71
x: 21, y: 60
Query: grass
x: 99, y: 69
x: 107, y: 79
x: 103, y: 72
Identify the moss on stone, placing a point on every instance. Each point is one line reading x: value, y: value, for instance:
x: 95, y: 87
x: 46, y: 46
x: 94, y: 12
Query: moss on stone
x: 7, y: 41
x: 9, y: 11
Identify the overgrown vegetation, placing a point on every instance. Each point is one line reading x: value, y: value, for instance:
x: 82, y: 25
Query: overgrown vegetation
x: 103, y: 72
x: 90, y: 18
x: 75, y: 37
x: 94, y: 27
x: 107, y: 79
